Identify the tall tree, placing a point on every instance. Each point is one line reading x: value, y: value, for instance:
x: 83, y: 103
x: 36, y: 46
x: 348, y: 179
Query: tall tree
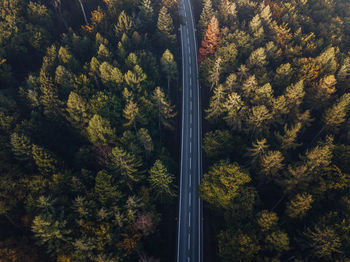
x: 164, y: 108
x: 161, y: 181
x: 165, y: 27
x: 169, y: 67
x: 206, y: 14
x: 211, y: 39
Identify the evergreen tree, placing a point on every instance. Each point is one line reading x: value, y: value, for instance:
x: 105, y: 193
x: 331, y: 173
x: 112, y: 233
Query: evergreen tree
x: 216, y: 104
x: 161, y: 181
x: 100, y: 131
x: 222, y: 183
x: 169, y: 67
x: 164, y: 108
x: 21, y: 146
x: 126, y: 165
x: 124, y: 25
x: 206, y: 14
x: 165, y: 26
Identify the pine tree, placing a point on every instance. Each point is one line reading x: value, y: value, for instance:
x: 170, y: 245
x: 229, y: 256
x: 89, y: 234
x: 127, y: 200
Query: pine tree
x: 132, y: 113
x: 271, y: 162
x: 99, y: 131
x: 165, y: 26
x: 222, y: 183
x: 277, y: 241
x: 105, y: 189
x: 324, y: 241
x: 214, y: 74
x: 145, y: 140
x: 211, y: 40
x: 45, y: 160
x: 234, y: 106
x: 267, y: 220
x: 216, y: 105
x: 21, y: 146
x: 258, y: 149
x: 126, y: 165
x: 169, y: 67
x: 206, y: 15
x: 77, y: 110
x: 299, y: 205
x: 217, y: 143
x: 256, y: 27
x: 227, y: 12
x: 288, y: 140
x: 257, y: 58
x: 161, y: 181
x: 336, y: 115
x: 124, y: 25
x: 110, y: 75
x: 164, y: 108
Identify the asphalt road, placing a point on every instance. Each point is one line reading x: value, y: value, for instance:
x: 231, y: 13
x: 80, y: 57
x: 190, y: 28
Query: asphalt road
x: 190, y: 205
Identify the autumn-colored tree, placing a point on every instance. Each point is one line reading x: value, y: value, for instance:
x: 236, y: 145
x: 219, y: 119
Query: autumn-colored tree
x: 211, y: 39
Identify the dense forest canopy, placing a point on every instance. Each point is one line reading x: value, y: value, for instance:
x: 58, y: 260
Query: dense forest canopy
x: 85, y: 109
x: 277, y: 142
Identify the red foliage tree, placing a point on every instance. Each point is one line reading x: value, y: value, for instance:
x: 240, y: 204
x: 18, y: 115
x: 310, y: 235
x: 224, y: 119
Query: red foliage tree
x: 211, y: 39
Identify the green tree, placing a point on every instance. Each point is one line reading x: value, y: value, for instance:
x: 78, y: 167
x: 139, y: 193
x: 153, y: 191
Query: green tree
x: 124, y: 25
x: 21, y: 146
x: 165, y: 27
x: 164, y: 109
x: 267, y: 220
x: 277, y: 241
x: 161, y: 181
x: 299, y: 205
x: 100, y: 131
x: 77, y: 110
x: 45, y: 160
x: 234, y: 106
x: 126, y: 165
x: 222, y: 183
x: 132, y: 114
x: 206, y: 14
x: 217, y: 144
x: 271, y: 162
x: 216, y: 104
x: 324, y: 241
x: 336, y: 115
x: 169, y: 67
x: 105, y: 189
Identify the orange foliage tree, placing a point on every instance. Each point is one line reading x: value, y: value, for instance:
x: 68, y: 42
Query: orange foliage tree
x: 211, y: 39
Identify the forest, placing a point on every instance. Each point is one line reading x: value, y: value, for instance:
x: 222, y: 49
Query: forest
x: 87, y: 106
x: 275, y: 81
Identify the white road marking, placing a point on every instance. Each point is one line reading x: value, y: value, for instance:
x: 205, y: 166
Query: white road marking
x: 188, y: 259
x: 191, y: 93
x: 191, y: 119
x: 191, y: 106
x: 189, y: 203
x: 190, y: 71
x: 190, y: 81
x: 189, y: 242
x: 189, y: 60
x: 190, y: 150
x: 190, y: 165
x: 190, y: 180
x: 189, y: 218
x: 190, y: 131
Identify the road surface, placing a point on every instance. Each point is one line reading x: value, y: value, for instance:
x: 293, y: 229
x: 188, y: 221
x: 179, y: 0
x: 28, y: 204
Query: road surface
x: 189, y: 243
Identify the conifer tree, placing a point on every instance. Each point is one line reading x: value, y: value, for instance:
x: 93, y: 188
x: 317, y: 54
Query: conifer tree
x: 21, y: 146
x: 45, y: 160
x: 216, y: 104
x: 169, y: 67
x: 206, y: 15
x: 234, y: 107
x: 99, y: 131
x: 165, y: 26
x: 77, y: 110
x: 299, y: 205
x: 164, y: 109
x: 161, y: 181
x: 124, y: 25
x: 126, y: 165
x: 211, y: 40
x: 132, y: 113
